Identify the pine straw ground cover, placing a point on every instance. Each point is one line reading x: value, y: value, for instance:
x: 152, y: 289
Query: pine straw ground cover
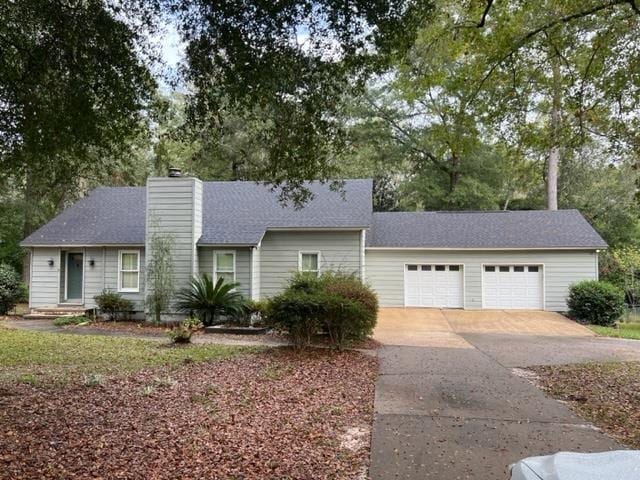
x: 269, y: 414
x: 607, y: 394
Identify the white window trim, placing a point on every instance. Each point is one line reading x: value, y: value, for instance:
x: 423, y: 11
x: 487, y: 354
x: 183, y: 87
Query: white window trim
x: 137, y: 270
x: 215, y: 266
x: 306, y: 252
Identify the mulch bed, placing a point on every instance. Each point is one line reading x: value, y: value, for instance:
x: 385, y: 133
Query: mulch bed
x: 271, y: 415
x: 607, y: 394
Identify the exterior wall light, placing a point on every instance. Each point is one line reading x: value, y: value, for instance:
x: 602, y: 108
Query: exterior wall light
x: 92, y: 262
x: 50, y: 262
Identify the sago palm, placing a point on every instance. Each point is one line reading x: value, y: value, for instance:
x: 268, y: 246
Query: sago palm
x: 206, y: 301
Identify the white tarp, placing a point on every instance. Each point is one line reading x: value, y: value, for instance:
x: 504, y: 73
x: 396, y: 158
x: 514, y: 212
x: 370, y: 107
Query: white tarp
x: 616, y: 465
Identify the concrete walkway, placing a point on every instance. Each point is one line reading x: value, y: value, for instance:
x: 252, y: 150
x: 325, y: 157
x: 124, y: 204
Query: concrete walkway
x: 449, y: 405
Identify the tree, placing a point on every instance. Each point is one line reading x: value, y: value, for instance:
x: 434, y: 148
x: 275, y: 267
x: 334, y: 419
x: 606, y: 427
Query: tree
x: 160, y: 283
x: 73, y: 91
x: 285, y: 67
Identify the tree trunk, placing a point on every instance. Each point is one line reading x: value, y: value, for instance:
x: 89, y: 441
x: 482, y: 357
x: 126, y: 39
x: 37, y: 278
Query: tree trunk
x: 554, y: 153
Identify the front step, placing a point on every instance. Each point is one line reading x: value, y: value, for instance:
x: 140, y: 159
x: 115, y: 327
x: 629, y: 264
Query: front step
x: 49, y: 313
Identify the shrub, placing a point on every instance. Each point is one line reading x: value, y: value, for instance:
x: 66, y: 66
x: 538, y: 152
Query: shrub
x: 72, y: 320
x: 183, y: 332
x: 160, y: 284
x: 113, y: 304
x: 351, y: 287
x: 299, y: 314
x: 257, y: 311
x: 10, y: 288
x: 305, y: 282
x: 599, y: 303
x: 207, y: 301
x: 24, y: 293
x: 338, y: 303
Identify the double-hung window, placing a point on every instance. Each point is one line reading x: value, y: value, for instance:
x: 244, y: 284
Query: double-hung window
x: 129, y: 271
x: 224, y: 266
x: 309, y: 262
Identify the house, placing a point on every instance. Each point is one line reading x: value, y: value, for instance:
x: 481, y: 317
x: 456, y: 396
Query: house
x: 240, y: 231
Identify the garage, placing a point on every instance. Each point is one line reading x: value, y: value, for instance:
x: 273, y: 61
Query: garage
x: 434, y: 285
x: 512, y: 286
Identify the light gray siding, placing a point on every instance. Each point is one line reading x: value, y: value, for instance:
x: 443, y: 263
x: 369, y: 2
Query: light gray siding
x: 385, y: 271
x: 243, y: 265
x: 279, y: 253
x: 47, y: 283
x: 45, y: 279
x: 174, y: 207
x: 104, y: 275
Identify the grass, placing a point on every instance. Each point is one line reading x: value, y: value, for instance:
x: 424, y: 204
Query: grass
x: 623, y: 330
x: 72, y: 320
x: 33, y: 357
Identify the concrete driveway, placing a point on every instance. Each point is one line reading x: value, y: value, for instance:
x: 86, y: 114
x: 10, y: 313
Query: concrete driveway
x: 450, y: 405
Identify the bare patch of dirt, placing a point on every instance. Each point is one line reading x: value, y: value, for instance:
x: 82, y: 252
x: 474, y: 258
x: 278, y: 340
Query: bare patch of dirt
x: 271, y: 415
x: 606, y: 394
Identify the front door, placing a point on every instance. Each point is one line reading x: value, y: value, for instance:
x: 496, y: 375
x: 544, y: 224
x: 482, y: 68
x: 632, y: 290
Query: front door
x: 74, y: 277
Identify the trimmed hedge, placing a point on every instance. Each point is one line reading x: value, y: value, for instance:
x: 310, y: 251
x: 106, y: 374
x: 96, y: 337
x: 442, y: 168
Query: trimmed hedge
x: 336, y: 303
x: 595, y: 302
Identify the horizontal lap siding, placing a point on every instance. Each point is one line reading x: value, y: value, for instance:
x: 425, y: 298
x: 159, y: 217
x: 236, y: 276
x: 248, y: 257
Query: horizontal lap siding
x: 104, y: 275
x: 243, y: 266
x: 385, y: 271
x: 279, y: 255
x: 45, y: 279
x: 176, y: 206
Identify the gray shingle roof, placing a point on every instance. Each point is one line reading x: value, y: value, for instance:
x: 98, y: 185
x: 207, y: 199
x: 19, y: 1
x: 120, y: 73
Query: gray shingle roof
x: 235, y: 213
x: 107, y: 216
x: 504, y: 229
x: 240, y: 212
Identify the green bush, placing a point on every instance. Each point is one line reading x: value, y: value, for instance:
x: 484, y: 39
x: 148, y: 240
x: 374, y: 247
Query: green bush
x: 10, y: 288
x: 351, y: 287
x: 71, y: 320
x: 208, y: 301
x: 183, y: 332
x: 337, y: 303
x: 598, y: 303
x: 113, y: 304
x: 298, y: 314
x: 256, y: 312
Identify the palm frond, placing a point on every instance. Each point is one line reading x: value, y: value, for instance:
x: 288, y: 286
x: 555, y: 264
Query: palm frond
x: 207, y: 301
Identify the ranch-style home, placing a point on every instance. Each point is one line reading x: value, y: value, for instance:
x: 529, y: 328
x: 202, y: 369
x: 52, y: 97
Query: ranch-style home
x: 242, y: 232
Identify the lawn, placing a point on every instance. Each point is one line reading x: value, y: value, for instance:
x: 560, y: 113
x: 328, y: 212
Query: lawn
x: 197, y: 412
x: 624, y: 330
x: 41, y: 357
x: 606, y: 394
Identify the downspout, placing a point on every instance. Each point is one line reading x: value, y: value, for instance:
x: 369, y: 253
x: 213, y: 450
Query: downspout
x: 363, y: 237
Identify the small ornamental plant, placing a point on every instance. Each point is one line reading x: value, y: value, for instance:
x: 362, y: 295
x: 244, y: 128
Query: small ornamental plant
x: 182, y: 333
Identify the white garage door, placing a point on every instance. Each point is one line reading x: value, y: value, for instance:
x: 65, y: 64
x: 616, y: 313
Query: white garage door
x: 512, y: 286
x: 433, y: 286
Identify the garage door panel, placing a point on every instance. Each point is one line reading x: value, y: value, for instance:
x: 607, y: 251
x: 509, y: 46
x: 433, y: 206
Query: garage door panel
x: 512, y: 286
x: 433, y: 286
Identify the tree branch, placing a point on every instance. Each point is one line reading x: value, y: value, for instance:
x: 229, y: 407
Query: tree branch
x: 550, y: 24
x: 485, y: 13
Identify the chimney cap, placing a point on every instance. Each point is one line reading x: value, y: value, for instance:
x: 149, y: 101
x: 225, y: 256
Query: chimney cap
x: 174, y: 172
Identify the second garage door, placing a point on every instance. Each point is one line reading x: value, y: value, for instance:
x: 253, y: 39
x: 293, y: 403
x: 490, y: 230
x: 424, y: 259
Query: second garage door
x: 512, y: 286
x: 438, y: 286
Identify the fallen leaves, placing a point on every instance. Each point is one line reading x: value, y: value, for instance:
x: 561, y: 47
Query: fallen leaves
x: 607, y: 394
x: 270, y: 415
